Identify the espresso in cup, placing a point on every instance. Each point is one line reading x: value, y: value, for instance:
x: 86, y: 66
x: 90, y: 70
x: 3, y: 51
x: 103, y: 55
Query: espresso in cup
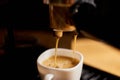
x: 61, y: 62
x: 68, y: 65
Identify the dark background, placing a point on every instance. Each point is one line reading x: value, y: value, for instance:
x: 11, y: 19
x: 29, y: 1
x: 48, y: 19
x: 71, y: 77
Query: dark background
x: 101, y: 21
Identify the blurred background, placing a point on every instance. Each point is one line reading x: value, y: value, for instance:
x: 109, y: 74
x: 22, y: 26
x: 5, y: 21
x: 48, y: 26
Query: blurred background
x: 25, y: 33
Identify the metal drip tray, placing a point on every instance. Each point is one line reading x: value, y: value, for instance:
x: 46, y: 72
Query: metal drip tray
x: 90, y: 73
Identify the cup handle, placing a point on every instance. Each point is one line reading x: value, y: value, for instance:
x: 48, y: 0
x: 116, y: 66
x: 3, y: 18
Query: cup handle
x: 48, y: 77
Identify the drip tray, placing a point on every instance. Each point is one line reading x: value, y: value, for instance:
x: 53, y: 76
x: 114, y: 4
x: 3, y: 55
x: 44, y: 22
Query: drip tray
x: 90, y: 73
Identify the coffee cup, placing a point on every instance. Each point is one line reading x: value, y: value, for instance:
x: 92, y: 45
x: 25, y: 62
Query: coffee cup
x: 58, y: 73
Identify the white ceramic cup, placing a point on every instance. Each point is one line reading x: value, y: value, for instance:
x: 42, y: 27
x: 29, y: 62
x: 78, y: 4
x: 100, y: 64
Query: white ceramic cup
x: 47, y: 73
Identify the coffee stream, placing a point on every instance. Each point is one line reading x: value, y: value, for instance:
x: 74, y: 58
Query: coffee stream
x: 74, y: 47
x: 60, y: 19
x: 75, y: 38
x: 57, y: 42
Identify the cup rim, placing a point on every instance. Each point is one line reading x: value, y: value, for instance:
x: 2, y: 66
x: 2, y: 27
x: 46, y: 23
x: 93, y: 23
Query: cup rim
x: 61, y: 69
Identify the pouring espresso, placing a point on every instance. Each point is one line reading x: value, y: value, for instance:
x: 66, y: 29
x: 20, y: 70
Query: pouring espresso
x: 61, y: 18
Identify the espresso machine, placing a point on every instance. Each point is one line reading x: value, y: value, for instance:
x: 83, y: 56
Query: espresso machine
x: 61, y: 16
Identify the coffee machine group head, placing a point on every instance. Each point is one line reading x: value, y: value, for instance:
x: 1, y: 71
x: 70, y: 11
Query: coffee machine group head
x: 60, y: 16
